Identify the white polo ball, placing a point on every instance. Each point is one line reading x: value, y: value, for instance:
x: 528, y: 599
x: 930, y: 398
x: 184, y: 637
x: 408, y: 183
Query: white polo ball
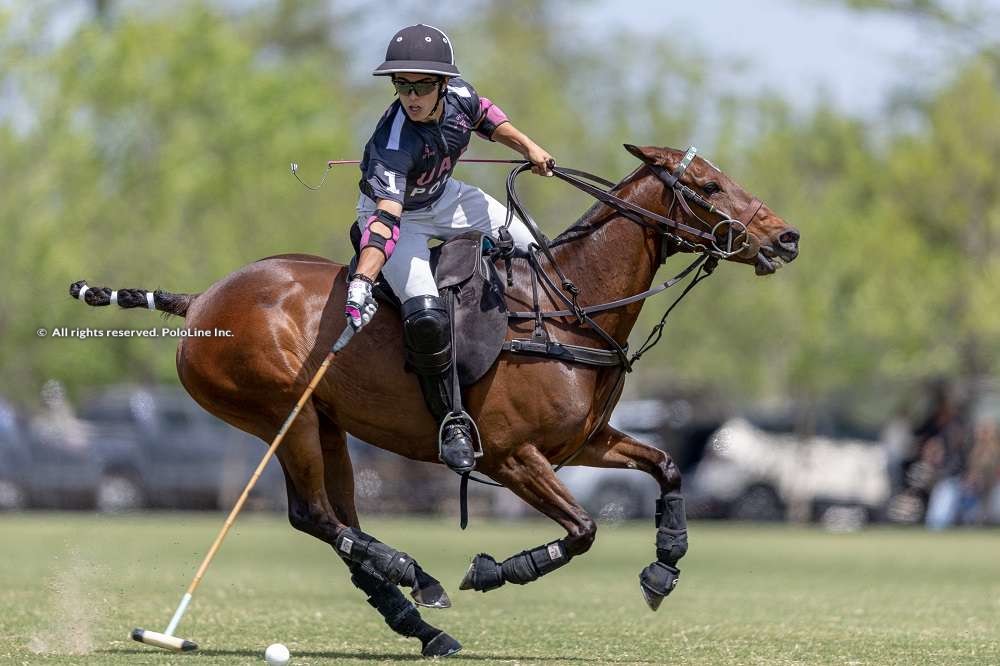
x: 276, y: 654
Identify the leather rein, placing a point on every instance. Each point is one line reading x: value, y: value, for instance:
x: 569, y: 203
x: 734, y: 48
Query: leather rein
x: 540, y: 344
x: 710, y: 253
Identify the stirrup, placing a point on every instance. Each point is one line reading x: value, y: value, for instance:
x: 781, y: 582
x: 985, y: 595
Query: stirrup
x: 464, y: 418
x: 477, y: 447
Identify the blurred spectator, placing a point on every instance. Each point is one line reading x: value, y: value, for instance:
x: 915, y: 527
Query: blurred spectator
x: 938, y: 452
x: 967, y: 491
x: 899, y: 442
x: 970, y: 498
x: 57, y: 424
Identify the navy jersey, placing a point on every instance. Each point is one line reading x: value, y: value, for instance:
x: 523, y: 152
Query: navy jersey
x: 410, y: 162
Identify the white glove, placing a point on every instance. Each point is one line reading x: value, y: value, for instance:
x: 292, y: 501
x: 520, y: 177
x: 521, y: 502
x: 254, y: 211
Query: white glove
x: 361, y: 307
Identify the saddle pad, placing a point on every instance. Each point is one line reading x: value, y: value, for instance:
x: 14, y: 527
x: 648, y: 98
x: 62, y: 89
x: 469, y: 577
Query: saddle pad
x: 480, y: 309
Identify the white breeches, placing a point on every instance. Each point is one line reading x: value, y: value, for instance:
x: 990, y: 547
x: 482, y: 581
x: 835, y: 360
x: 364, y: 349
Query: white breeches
x: 461, y: 208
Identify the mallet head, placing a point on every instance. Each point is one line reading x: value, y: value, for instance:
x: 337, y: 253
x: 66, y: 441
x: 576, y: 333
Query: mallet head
x: 164, y: 641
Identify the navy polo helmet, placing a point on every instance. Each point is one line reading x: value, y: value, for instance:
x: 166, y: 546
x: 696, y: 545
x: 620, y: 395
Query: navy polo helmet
x: 421, y: 49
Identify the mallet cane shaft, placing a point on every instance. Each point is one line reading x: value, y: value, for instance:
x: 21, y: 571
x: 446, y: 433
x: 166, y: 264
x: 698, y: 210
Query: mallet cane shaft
x: 167, y: 639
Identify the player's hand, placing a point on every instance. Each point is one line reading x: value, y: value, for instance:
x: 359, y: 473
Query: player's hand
x: 541, y: 160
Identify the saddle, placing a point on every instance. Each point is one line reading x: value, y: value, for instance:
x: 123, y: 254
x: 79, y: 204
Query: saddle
x: 468, y: 282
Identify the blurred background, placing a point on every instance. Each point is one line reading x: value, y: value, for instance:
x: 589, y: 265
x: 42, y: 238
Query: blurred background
x: 148, y: 145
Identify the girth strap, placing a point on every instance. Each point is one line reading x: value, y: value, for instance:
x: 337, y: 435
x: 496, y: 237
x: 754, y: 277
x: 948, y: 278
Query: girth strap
x: 565, y: 352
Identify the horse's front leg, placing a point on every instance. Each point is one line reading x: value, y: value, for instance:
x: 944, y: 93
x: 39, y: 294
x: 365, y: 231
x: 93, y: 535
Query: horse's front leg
x: 527, y: 473
x: 611, y: 448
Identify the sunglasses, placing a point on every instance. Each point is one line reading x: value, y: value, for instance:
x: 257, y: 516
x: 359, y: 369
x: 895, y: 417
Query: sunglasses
x: 421, y: 88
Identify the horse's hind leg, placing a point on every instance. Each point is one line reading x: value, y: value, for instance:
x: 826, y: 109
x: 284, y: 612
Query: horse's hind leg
x: 399, y: 613
x: 611, y: 448
x: 302, y: 460
x: 529, y: 476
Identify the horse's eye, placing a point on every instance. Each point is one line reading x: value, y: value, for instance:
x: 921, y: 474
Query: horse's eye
x: 711, y: 188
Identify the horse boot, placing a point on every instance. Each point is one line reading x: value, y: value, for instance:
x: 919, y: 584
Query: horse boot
x: 427, y: 335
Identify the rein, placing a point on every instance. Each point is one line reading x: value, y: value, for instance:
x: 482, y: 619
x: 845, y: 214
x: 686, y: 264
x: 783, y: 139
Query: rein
x: 710, y: 253
x: 703, y: 266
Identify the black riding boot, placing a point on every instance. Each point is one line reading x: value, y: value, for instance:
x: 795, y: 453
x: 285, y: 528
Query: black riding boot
x: 427, y: 332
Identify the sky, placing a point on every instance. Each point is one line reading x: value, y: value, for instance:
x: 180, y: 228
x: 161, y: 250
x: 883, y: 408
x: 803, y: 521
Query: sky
x: 806, y: 50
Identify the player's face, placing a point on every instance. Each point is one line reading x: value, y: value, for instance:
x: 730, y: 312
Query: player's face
x: 417, y: 93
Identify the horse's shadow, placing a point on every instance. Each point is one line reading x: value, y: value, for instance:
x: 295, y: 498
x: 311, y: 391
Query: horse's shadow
x: 382, y: 656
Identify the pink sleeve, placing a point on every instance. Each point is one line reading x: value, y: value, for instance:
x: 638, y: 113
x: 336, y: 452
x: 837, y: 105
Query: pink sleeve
x: 491, y: 117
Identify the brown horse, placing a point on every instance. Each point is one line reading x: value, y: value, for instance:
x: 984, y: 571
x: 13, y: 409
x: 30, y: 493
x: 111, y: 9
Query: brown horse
x: 285, y: 312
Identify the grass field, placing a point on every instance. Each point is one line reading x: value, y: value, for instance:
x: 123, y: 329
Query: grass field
x: 73, y: 586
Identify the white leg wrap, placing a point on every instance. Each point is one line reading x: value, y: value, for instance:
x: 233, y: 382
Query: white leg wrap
x: 114, y: 297
x: 149, y: 300
x: 83, y: 290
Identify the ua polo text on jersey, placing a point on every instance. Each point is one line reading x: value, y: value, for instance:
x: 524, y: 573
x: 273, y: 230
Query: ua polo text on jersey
x: 410, y: 162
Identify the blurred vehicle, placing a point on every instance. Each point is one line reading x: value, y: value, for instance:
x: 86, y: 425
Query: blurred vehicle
x: 158, y: 449
x: 385, y: 482
x: 764, y: 471
x: 13, y: 461
x: 676, y: 425
x: 44, y: 467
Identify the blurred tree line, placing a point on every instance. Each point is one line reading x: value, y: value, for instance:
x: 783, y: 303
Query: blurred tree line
x: 149, y: 147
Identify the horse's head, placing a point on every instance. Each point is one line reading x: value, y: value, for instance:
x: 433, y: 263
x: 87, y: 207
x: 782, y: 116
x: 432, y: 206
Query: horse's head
x: 696, y: 193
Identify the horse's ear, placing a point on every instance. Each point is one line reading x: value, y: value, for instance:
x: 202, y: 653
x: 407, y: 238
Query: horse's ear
x: 646, y: 154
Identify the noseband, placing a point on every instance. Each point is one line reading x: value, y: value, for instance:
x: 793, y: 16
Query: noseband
x: 728, y: 225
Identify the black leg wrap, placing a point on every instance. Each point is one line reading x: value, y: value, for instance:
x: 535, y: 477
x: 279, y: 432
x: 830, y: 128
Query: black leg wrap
x: 487, y: 574
x: 396, y: 567
x: 400, y: 615
x: 661, y: 577
x: 671, y: 535
x: 529, y: 565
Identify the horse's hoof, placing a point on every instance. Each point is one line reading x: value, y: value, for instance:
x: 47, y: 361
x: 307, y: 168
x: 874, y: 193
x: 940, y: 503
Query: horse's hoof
x: 466, y: 583
x: 441, y: 645
x: 432, y: 596
x: 653, y: 600
x: 484, y: 574
x: 657, y: 581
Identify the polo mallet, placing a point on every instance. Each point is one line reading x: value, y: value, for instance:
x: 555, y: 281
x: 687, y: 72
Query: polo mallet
x: 332, y: 163
x: 167, y: 639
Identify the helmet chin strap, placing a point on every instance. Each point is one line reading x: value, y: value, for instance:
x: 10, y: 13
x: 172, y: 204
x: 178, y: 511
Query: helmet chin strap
x: 440, y: 95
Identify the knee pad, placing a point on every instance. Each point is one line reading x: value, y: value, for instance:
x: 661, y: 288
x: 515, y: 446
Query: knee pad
x: 427, y: 332
x: 376, y: 240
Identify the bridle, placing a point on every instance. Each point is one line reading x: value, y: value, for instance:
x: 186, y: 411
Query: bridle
x: 710, y: 252
x: 683, y: 194
x: 735, y: 230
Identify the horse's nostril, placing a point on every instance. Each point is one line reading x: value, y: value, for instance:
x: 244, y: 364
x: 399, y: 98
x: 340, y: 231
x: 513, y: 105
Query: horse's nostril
x: 790, y: 237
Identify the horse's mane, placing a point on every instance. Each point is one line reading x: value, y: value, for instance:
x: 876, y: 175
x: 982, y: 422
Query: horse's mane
x: 593, y: 217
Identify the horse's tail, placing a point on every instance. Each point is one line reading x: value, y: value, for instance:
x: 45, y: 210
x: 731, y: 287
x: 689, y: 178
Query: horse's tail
x: 164, y: 301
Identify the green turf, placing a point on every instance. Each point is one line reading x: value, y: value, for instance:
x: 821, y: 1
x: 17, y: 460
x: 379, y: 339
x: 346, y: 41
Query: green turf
x: 73, y: 586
